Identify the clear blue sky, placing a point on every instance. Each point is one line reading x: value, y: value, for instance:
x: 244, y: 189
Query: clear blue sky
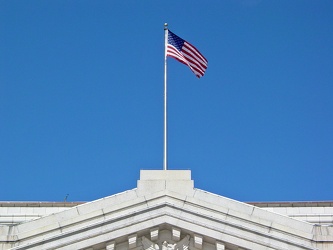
x: 81, y: 98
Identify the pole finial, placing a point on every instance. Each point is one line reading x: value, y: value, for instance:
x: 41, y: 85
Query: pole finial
x: 165, y: 26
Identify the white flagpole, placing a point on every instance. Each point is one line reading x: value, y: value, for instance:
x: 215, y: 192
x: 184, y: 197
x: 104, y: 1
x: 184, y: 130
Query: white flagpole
x: 165, y: 158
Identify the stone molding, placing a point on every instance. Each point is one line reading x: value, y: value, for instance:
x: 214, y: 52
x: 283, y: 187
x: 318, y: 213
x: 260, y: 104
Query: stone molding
x: 126, y: 217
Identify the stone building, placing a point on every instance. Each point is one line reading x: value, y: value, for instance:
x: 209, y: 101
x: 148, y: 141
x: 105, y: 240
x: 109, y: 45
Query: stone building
x: 166, y: 212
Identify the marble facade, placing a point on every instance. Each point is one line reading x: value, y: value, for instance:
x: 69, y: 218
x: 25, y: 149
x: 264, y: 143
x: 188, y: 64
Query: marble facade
x: 165, y: 211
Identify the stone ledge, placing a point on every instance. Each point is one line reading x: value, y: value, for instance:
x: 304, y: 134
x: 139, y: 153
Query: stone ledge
x: 39, y: 204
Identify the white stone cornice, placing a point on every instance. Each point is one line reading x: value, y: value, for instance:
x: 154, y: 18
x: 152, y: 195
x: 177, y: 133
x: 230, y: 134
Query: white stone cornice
x: 191, y: 220
x: 144, y: 211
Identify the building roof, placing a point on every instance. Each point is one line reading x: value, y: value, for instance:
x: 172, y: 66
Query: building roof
x: 165, y: 207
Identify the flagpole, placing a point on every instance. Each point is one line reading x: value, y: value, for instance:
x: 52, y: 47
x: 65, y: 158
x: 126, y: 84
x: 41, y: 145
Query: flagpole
x: 165, y: 158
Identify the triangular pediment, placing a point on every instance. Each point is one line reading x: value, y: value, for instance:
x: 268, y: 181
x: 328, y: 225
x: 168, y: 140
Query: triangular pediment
x: 165, y: 207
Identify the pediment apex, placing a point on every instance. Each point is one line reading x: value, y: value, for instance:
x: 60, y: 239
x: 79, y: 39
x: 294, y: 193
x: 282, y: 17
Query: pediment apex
x: 165, y: 175
x: 165, y: 206
x: 162, y: 201
x: 152, y: 181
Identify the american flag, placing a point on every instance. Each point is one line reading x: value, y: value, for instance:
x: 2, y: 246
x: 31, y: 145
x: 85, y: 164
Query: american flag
x: 186, y: 53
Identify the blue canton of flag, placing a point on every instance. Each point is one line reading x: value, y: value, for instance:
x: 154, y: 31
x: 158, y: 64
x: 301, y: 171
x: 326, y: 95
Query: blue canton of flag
x: 186, y: 53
